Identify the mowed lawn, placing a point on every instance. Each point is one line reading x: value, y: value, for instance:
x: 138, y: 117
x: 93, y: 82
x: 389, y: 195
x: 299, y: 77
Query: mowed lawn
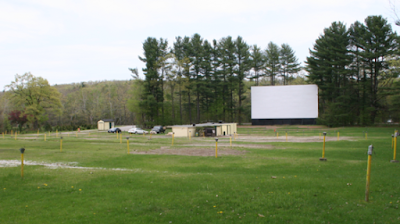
x: 116, y: 187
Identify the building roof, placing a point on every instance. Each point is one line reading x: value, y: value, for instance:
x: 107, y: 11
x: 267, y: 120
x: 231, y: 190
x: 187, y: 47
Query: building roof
x: 202, y: 125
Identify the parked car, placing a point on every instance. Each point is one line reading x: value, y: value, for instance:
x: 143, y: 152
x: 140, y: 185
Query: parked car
x: 132, y: 130
x: 141, y: 131
x: 158, y: 129
x: 114, y: 130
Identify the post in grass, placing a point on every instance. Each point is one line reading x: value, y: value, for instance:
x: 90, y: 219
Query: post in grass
x: 216, y: 147
x: 22, y: 150
x: 150, y: 135
x: 117, y: 134
x: 338, y: 136
x: 3, y: 134
x: 127, y: 144
x: 394, y: 141
x: 61, y: 138
x: 370, y: 149
x: 15, y: 136
x: 173, y: 135
x: 366, y: 135
x: 323, y: 150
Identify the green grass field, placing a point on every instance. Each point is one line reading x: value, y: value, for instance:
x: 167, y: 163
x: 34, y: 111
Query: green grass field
x: 202, y: 189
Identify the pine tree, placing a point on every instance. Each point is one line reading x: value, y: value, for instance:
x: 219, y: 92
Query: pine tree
x: 288, y: 62
x: 272, y: 61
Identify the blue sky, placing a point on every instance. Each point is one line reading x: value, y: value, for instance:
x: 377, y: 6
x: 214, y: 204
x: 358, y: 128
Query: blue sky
x: 90, y: 40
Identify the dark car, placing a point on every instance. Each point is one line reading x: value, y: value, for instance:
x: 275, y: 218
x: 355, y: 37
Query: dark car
x: 158, y: 129
x: 114, y: 130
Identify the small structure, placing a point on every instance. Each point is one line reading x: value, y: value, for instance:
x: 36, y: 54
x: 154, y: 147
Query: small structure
x: 219, y: 129
x: 105, y: 124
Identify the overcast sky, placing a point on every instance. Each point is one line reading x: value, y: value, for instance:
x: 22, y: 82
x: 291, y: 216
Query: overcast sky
x: 68, y: 41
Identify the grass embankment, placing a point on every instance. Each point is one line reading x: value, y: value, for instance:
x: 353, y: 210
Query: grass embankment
x: 188, y: 189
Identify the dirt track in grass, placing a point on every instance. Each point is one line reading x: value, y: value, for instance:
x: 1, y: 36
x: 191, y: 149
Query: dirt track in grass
x: 206, y: 151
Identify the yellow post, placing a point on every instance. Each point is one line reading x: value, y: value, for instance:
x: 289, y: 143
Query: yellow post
x: 15, y: 135
x: 230, y: 141
x: 323, y: 150
x: 286, y: 136
x: 6, y: 131
x: 127, y: 144
x: 338, y: 136
x: 61, y: 144
x: 173, y: 134
x: 370, y: 148
x: 366, y: 135
x: 44, y: 137
x: 394, y: 141
x: 395, y: 148
x: 22, y: 150
x: 68, y: 134
x: 3, y: 134
x: 76, y: 134
x: 150, y: 134
x: 277, y: 134
x: 22, y: 165
x: 216, y: 148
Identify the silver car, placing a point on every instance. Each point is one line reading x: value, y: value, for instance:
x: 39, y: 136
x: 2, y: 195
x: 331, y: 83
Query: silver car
x: 140, y: 131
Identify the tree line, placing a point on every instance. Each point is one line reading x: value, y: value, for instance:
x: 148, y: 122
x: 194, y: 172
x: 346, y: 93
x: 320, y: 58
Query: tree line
x: 356, y: 72
x: 195, y: 80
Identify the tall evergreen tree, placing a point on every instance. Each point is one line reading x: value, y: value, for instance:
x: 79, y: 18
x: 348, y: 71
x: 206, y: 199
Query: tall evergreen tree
x: 272, y: 61
x: 288, y: 62
x: 257, y: 62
